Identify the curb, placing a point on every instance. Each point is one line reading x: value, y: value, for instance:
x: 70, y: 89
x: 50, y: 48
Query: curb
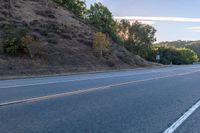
x: 78, y: 73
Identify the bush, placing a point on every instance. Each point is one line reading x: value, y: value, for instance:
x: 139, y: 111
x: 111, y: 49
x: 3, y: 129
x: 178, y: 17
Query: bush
x: 34, y: 49
x: 27, y: 39
x: 17, y: 41
x: 12, y: 40
x: 100, y: 42
x: 186, y: 56
x: 177, y: 56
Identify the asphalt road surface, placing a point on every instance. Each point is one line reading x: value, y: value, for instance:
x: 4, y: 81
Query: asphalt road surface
x: 156, y: 100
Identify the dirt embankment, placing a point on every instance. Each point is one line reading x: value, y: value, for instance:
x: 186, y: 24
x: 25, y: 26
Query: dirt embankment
x: 64, y: 41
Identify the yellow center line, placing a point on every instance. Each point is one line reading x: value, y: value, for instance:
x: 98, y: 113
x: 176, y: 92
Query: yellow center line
x: 88, y: 90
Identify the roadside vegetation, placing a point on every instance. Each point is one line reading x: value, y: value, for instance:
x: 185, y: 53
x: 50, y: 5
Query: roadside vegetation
x: 13, y: 39
x: 100, y: 43
x: 136, y: 37
x: 193, y: 45
x: 173, y: 55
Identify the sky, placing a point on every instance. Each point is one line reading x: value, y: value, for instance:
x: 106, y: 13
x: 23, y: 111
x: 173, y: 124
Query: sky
x: 173, y: 19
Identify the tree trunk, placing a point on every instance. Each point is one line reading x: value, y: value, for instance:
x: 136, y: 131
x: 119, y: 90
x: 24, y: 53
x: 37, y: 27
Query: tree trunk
x: 101, y: 50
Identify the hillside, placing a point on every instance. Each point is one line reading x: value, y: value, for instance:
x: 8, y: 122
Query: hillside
x: 193, y: 45
x: 62, y: 42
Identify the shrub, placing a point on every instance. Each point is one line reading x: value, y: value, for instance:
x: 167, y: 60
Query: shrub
x: 17, y: 41
x: 27, y: 39
x: 34, y: 49
x: 12, y: 46
x: 175, y: 55
x: 12, y: 43
x: 100, y: 42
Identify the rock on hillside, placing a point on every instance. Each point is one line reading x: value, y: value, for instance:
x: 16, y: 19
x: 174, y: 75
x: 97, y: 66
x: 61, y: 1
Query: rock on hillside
x: 65, y: 41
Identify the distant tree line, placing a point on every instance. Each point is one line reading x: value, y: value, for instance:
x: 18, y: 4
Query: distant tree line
x: 174, y: 55
x: 190, y: 51
x: 193, y: 45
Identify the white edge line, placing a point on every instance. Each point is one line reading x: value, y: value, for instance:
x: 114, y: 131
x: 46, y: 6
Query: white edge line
x: 86, y: 90
x: 55, y: 82
x: 176, y: 124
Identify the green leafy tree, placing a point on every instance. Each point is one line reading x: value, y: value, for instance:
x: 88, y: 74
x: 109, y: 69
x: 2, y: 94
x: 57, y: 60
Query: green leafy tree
x: 193, y: 45
x: 175, y: 55
x: 78, y: 7
x: 140, y: 38
x: 123, y: 29
x: 102, y: 18
x: 12, y: 39
x: 186, y: 56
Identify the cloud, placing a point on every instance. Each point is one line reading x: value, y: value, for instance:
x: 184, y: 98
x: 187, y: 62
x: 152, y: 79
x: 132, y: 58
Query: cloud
x: 171, y: 19
x: 144, y: 22
x: 193, y: 29
x: 147, y: 22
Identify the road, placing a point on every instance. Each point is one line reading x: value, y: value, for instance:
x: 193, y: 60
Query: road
x: 156, y: 100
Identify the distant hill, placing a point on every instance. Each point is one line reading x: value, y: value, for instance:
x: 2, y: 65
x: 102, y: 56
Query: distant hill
x: 193, y: 45
x: 62, y: 42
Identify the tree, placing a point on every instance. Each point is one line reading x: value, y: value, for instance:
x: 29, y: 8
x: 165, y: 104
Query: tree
x: 12, y: 39
x: 193, y: 45
x: 101, y: 17
x: 78, y: 7
x: 175, y: 55
x: 141, y: 37
x: 186, y: 56
x: 100, y: 42
x: 123, y: 29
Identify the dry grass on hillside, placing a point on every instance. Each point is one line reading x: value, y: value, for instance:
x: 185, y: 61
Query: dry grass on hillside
x: 62, y: 42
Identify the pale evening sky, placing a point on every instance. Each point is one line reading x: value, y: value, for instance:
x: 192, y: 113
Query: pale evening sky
x: 173, y: 19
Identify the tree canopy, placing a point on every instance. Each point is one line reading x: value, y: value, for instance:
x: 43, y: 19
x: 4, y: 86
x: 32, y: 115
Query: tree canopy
x: 78, y: 7
x: 101, y: 17
x: 137, y: 37
x: 177, y: 56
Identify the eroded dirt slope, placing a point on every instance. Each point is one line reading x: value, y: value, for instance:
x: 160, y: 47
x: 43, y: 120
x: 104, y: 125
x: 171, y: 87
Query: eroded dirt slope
x: 66, y: 42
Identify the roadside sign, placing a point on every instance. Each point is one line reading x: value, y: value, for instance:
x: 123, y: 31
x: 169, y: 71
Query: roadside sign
x: 157, y: 57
